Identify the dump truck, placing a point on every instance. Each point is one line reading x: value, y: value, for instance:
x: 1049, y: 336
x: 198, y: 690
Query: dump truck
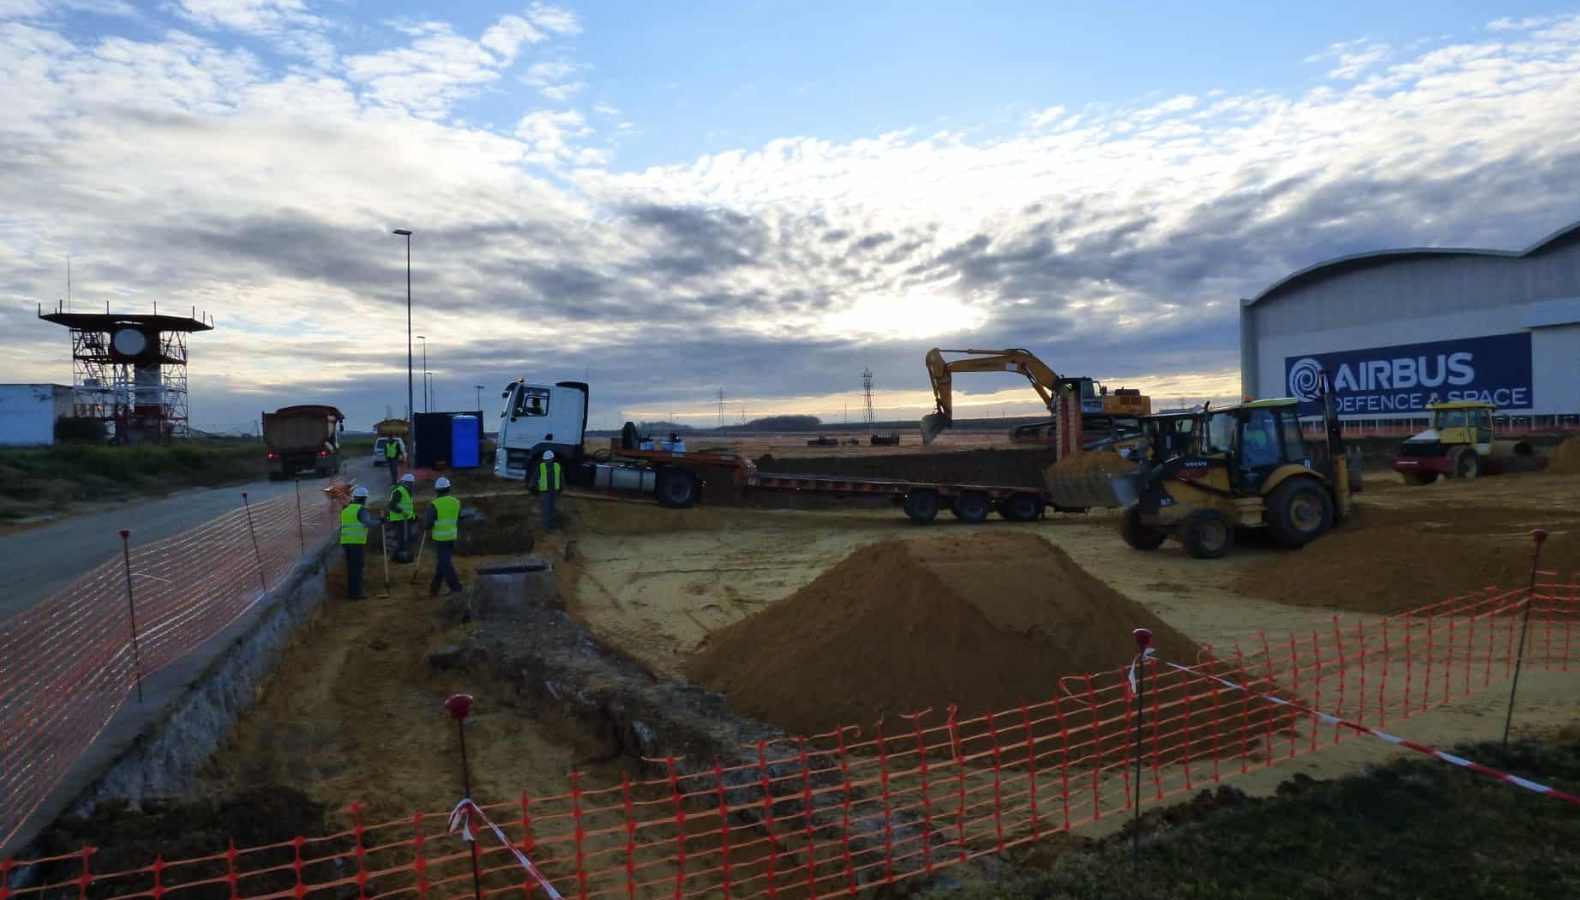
x: 303, y: 440
x: 542, y: 417
x: 1461, y: 443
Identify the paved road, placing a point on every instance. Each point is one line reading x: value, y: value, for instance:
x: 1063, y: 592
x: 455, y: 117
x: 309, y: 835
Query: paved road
x: 39, y: 561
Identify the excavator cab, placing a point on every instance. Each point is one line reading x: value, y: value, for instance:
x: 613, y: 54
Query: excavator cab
x: 1242, y: 466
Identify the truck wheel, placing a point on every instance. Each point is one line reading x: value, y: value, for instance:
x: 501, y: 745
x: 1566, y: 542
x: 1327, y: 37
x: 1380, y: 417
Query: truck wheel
x: 971, y: 507
x: 676, y: 488
x: 1206, y: 534
x: 1298, y: 512
x: 1418, y: 478
x: 1139, y: 534
x: 1467, y: 463
x: 1020, y: 507
x: 921, y: 506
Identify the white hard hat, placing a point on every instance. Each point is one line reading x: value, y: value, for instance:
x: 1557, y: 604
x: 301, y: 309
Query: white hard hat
x: 359, y: 493
x: 443, y: 484
x: 408, y: 478
x: 548, y: 454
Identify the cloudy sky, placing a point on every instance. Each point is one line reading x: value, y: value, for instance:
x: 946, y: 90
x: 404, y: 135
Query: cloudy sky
x: 763, y: 197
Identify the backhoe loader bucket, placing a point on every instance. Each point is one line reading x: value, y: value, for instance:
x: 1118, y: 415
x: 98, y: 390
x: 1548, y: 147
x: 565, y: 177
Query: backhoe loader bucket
x: 1092, y: 490
x: 933, y: 424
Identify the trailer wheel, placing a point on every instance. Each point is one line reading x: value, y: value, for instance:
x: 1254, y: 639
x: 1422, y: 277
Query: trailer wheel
x: 921, y: 506
x: 1020, y: 507
x: 1206, y: 534
x: 971, y: 507
x: 676, y: 488
x: 1139, y: 534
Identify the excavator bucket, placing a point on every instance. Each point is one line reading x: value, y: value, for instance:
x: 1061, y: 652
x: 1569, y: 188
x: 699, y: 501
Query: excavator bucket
x: 933, y: 424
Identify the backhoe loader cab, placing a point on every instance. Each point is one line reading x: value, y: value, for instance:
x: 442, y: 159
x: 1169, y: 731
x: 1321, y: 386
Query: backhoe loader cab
x: 1460, y: 444
x: 1244, y: 466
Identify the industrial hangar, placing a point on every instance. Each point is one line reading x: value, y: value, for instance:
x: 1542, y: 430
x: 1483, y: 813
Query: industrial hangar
x: 1397, y: 329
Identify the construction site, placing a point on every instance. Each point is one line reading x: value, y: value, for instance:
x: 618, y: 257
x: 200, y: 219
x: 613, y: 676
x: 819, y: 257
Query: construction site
x: 720, y: 675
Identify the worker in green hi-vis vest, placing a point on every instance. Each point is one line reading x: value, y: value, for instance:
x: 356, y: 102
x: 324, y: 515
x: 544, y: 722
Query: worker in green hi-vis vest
x: 444, y: 526
x: 355, y: 521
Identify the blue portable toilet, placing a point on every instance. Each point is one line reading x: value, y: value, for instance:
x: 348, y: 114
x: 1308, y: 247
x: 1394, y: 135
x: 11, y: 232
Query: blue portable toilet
x: 466, y: 442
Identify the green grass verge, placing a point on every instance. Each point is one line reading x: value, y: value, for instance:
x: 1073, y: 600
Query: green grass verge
x: 35, y: 481
x: 1412, y: 829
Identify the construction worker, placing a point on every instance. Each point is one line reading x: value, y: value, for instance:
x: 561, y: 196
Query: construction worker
x: 402, y: 514
x: 547, y: 486
x: 355, y: 520
x: 394, y: 452
x: 444, y: 526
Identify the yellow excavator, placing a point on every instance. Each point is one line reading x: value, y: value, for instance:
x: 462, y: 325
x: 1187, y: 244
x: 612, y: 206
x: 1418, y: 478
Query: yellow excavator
x: 1101, y: 412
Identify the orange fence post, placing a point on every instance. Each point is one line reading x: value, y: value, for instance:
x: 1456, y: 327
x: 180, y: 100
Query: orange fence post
x: 810, y: 827
x: 888, y: 820
x: 680, y: 827
x: 768, y: 817
x: 528, y: 883
x: 927, y: 796
x: 998, y: 783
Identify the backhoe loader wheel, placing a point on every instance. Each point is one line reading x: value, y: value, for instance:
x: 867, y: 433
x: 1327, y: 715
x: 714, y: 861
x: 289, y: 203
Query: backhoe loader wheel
x: 1206, y: 534
x: 1138, y: 533
x: 676, y: 488
x: 1467, y: 463
x: 971, y: 507
x: 1020, y: 507
x: 921, y: 506
x: 1298, y: 512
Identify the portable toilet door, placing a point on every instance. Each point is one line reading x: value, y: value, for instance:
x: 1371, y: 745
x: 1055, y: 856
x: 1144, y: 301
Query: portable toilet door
x: 466, y: 437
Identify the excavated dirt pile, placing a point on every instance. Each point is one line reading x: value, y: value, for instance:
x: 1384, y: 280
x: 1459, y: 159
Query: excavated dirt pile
x: 1566, y: 458
x: 1389, y: 561
x: 984, y: 622
x: 1018, y: 468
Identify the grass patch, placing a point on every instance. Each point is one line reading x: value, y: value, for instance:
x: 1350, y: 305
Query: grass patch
x: 35, y: 481
x: 1412, y: 829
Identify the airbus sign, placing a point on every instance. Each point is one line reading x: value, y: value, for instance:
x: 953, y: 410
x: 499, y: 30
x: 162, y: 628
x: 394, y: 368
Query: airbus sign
x: 1405, y: 378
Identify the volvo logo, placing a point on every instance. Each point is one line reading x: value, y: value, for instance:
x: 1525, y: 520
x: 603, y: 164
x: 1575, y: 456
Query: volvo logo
x: 1305, y: 379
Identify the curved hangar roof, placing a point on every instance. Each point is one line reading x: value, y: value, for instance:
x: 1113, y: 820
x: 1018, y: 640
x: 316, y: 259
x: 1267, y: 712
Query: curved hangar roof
x: 1377, y: 258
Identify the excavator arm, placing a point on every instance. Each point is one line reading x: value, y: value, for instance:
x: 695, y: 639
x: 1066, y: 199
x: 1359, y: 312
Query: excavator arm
x: 941, y: 371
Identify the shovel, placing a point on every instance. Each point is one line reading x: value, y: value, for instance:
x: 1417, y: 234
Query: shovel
x: 417, y: 564
x: 384, y: 554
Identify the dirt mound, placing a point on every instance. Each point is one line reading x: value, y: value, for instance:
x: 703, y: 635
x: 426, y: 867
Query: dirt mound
x: 1392, y: 561
x: 984, y: 622
x: 1016, y: 468
x: 1566, y: 458
x: 1097, y: 462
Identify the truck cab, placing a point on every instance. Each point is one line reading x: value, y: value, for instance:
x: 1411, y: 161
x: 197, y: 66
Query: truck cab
x: 1461, y: 443
x: 539, y: 417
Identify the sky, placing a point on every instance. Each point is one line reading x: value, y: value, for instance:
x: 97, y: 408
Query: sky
x: 673, y: 199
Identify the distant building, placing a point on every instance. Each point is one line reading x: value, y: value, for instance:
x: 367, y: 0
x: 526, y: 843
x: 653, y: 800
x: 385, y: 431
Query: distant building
x: 1397, y: 328
x: 28, y: 413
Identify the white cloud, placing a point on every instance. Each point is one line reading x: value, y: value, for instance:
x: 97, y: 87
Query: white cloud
x: 1045, y: 117
x: 1525, y: 24
x: 550, y: 135
x: 1352, y: 59
x: 505, y: 37
x: 555, y: 79
x: 286, y: 24
x: 554, y: 19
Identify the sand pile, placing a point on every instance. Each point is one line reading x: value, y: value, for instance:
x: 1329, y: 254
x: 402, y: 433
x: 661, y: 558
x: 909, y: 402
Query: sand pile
x: 1388, y: 562
x: 1566, y: 458
x: 983, y: 621
x: 1096, y: 462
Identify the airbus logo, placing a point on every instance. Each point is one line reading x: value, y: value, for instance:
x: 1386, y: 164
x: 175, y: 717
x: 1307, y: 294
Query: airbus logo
x: 1397, y: 374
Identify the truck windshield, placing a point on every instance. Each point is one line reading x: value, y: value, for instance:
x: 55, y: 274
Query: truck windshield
x: 1220, y: 432
x: 530, y: 401
x: 1449, y: 418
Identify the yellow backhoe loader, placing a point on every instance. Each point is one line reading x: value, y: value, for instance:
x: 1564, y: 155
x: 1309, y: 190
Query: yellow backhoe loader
x: 1101, y: 412
x: 1242, y: 466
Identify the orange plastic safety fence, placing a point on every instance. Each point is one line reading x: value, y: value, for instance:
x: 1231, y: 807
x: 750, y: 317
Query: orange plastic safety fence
x: 67, y: 664
x: 857, y: 808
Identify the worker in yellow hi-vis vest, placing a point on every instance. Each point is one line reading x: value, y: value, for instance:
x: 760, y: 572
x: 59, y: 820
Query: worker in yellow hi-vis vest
x: 444, y: 526
x: 547, y: 483
x: 355, y: 520
x: 402, y: 516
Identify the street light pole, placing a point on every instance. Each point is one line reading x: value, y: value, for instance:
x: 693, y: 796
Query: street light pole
x: 424, y: 339
x: 410, y: 390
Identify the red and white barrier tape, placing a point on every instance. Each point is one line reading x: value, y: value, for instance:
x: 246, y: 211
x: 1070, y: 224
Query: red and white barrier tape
x: 461, y: 820
x: 1329, y: 719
